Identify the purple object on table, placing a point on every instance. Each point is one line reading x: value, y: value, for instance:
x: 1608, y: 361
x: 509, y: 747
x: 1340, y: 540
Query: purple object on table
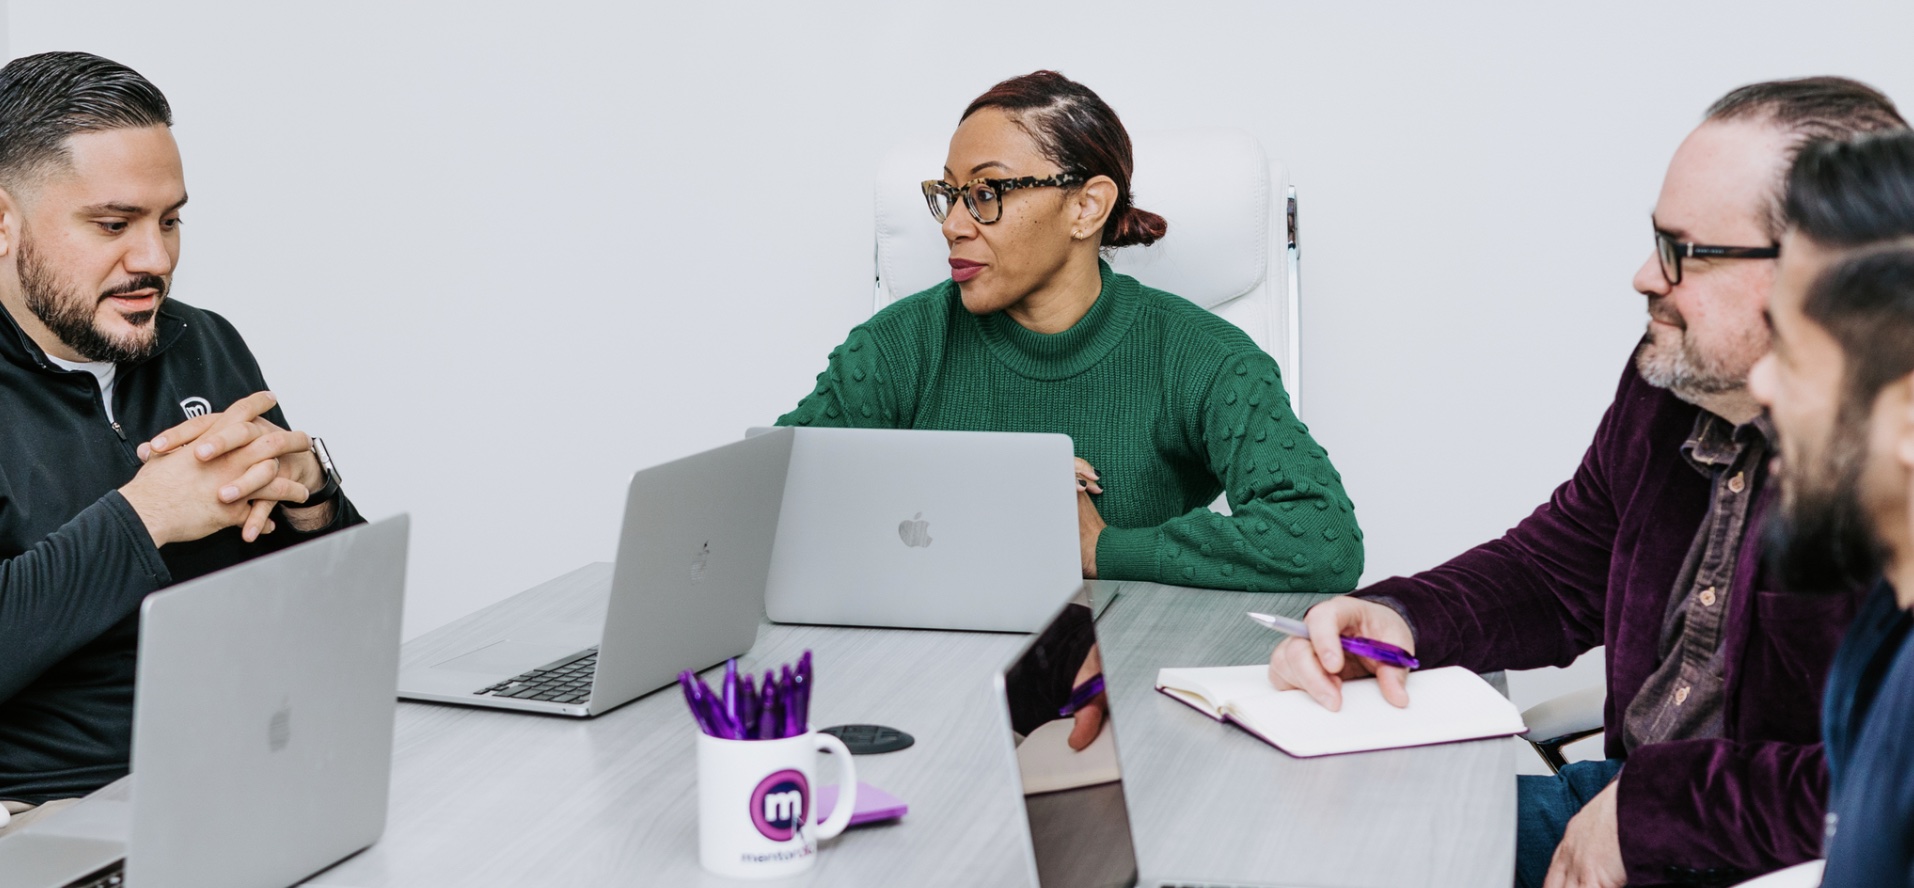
x: 770, y: 722
x: 805, y: 680
x: 691, y: 686
x: 772, y: 709
x: 733, y: 725
x: 749, y: 703
x: 873, y: 804
x: 790, y: 723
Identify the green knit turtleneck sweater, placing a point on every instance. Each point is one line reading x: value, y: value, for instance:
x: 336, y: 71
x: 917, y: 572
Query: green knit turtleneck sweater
x: 1170, y: 403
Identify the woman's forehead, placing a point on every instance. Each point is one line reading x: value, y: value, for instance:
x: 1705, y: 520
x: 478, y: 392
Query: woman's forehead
x: 991, y: 143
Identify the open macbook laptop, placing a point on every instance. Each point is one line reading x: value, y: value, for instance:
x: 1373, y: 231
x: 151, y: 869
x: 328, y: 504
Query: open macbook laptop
x: 1078, y: 822
x: 262, y: 728
x: 687, y: 592
x: 926, y: 530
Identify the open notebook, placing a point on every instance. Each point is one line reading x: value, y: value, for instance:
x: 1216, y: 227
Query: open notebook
x: 1445, y: 705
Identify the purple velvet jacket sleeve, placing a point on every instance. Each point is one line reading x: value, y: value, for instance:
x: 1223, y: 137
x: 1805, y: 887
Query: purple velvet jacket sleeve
x: 1534, y: 597
x: 1596, y: 565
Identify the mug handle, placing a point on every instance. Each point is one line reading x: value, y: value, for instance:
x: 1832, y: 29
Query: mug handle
x: 846, y: 787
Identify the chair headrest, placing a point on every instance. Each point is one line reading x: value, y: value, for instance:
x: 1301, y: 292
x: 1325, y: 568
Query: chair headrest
x: 1215, y: 186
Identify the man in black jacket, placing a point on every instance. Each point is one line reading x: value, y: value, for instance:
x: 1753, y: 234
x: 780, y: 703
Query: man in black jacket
x: 1840, y: 386
x: 138, y: 444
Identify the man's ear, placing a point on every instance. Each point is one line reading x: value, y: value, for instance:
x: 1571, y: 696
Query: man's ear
x: 12, y: 215
x: 1901, y: 407
x: 1093, y: 203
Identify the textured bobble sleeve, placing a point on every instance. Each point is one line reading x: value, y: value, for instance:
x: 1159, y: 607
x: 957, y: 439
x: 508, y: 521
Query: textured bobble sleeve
x: 856, y: 390
x: 1291, y: 527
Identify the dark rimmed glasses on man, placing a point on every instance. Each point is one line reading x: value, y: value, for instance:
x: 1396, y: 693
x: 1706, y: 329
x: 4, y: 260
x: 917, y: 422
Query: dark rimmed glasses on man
x: 1672, y: 251
x: 985, y: 197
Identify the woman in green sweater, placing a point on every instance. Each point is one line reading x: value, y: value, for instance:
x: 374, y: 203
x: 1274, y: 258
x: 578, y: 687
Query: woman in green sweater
x: 1168, y: 405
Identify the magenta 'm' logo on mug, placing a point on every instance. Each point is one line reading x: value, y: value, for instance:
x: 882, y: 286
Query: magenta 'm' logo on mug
x: 780, y: 805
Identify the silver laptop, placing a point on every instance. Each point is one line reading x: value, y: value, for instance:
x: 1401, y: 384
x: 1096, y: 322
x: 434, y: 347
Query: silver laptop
x: 687, y: 592
x: 1077, y: 822
x: 262, y: 728
x: 926, y: 530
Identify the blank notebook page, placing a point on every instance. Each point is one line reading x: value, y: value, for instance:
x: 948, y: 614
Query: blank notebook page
x: 1445, y: 705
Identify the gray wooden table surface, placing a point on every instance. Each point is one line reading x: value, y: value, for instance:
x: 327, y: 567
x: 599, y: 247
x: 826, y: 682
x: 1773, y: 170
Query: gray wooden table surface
x: 1209, y: 801
x: 483, y: 798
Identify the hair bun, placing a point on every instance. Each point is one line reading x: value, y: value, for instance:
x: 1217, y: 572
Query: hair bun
x: 1135, y: 226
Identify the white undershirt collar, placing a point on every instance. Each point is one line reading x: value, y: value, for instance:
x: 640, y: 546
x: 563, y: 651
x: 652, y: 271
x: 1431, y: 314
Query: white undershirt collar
x: 105, y: 372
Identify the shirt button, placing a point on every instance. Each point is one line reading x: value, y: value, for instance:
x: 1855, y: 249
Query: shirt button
x: 1736, y: 484
x: 1681, y: 695
x: 1708, y: 597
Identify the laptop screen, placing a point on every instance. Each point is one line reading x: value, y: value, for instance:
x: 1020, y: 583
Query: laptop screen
x: 1066, y: 758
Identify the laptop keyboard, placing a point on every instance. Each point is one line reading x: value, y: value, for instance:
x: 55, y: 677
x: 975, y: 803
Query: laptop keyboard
x: 565, y: 681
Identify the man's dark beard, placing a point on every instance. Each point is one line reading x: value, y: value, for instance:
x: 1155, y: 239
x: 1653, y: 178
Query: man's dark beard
x: 1820, y: 540
x: 71, y: 320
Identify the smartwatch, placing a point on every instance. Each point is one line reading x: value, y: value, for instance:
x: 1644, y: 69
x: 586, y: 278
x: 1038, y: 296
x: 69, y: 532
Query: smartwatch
x: 330, y: 489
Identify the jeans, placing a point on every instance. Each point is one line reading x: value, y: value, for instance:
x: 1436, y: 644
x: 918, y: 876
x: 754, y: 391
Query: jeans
x: 1543, y: 807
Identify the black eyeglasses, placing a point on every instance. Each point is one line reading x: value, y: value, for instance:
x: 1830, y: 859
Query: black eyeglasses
x: 985, y: 197
x: 1672, y: 251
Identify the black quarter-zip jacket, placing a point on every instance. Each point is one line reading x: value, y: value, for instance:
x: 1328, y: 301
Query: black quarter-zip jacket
x: 75, y: 559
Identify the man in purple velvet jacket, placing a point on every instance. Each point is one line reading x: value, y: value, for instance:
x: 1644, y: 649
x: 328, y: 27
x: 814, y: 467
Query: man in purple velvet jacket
x: 1653, y: 549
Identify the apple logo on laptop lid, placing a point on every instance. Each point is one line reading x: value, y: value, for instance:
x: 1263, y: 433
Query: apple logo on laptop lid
x: 700, y: 561
x: 915, y: 533
x: 279, y: 727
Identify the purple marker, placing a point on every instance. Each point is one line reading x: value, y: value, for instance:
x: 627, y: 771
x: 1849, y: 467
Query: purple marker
x: 1082, y: 696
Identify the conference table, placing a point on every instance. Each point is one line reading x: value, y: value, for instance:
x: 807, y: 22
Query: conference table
x: 486, y: 797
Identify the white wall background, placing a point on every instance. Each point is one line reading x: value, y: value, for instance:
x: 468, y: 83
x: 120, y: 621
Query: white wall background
x: 503, y: 254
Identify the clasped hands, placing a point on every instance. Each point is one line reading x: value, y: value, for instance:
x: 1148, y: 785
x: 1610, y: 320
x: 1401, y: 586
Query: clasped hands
x: 225, y: 470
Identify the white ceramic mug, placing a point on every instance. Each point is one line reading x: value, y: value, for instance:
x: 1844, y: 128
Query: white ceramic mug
x: 755, y: 801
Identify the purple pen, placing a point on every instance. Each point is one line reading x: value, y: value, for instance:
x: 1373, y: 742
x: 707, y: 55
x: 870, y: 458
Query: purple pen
x: 731, y: 711
x: 714, y: 706
x: 1379, y: 651
x: 1082, y: 696
x: 806, y: 683
x: 750, y: 703
x: 771, y: 721
x: 790, y: 727
x: 707, y: 709
x: 687, y: 681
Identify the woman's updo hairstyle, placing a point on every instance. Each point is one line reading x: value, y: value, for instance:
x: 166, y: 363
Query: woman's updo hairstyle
x: 1078, y: 132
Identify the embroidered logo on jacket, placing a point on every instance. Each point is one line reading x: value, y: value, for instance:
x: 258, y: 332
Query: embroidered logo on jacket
x: 196, y: 406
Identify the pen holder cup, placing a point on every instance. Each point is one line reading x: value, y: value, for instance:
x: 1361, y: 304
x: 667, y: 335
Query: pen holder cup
x: 755, y: 803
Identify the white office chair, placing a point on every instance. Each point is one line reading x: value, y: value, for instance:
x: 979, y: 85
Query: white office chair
x: 1559, y: 721
x: 1801, y: 875
x: 1231, y: 246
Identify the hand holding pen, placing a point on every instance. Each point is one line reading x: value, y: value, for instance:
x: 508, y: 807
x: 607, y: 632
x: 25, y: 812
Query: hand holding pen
x: 1318, y: 664
x: 1088, y: 702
